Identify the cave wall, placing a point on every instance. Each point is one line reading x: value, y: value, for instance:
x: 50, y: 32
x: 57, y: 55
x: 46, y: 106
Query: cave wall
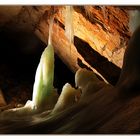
x: 104, y: 29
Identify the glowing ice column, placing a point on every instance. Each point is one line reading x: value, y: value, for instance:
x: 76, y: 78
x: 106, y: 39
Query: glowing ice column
x: 69, y: 30
x: 43, y: 91
x: 134, y: 20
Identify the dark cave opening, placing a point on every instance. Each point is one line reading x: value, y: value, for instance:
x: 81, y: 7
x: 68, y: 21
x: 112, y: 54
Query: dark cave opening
x: 20, y: 53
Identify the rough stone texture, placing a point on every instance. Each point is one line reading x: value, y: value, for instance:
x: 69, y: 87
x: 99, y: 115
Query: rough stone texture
x: 103, y: 28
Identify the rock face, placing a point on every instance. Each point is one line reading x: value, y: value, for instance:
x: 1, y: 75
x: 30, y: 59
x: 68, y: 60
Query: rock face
x: 101, y: 35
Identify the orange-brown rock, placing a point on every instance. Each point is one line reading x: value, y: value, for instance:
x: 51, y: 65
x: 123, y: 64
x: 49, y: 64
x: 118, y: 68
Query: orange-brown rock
x: 101, y: 35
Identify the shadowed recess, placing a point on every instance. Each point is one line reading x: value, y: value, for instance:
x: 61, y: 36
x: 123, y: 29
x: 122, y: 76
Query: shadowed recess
x: 97, y: 61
